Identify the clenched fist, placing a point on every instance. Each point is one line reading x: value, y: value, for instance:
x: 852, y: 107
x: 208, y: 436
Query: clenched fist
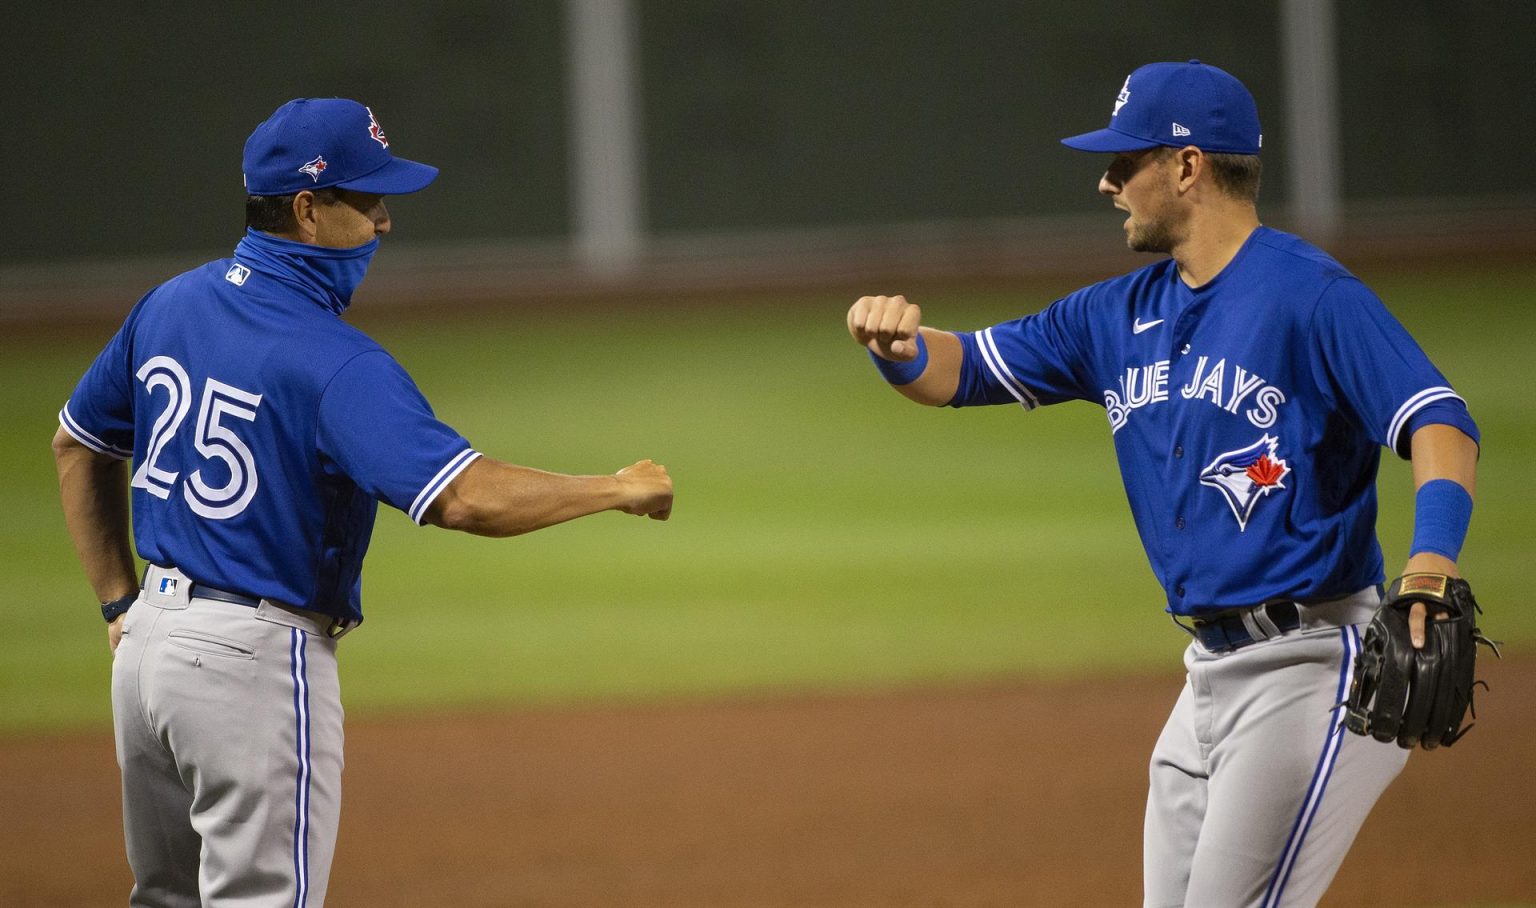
x: 648, y: 490
x: 887, y: 325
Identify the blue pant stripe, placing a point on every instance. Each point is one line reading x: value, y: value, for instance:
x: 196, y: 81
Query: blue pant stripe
x: 1326, y: 762
x: 300, y: 673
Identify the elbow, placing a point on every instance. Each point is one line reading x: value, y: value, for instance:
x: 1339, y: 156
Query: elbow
x: 68, y: 451
x: 454, y: 510
x: 64, y: 444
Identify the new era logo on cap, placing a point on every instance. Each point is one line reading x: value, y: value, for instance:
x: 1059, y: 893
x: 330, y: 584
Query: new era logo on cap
x: 1178, y: 104
x: 312, y: 143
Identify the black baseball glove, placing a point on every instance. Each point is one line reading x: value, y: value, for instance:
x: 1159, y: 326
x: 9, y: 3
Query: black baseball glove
x: 1418, y: 696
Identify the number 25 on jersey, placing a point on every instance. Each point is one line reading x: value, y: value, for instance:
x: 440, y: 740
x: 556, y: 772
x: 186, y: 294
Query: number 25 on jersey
x: 213, y: 439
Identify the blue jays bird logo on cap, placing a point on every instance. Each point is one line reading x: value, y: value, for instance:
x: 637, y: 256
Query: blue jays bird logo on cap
x: 314, y: 168
x: 1246, y: 475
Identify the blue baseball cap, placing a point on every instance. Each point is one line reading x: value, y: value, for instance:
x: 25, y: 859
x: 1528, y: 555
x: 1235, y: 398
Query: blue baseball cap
x: 1178, y: 104
x: 312, y: 143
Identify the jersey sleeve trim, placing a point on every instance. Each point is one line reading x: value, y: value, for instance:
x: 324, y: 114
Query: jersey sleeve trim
x: 1413, y: 405
x: 999, y: 369
x: 78, y: 433
x: 439, y: 482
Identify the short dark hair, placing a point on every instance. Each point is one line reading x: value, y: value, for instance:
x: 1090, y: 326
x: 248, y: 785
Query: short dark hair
x: 274, y: 213
x: 1237, y: 174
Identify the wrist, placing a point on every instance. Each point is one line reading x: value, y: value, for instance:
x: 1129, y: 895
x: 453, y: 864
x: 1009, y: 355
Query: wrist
x: 617, y: 495
x: 903, y: 373
x: 1442, y: 512
x: 113, y: 610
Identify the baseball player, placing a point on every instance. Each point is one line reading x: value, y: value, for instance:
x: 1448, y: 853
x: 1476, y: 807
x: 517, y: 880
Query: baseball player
x: 256, y: 432
x: 1250, y: 382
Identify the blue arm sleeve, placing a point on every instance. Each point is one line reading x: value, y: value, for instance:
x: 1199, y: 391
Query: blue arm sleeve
x: 1374, y: 368
x: 379, y: 429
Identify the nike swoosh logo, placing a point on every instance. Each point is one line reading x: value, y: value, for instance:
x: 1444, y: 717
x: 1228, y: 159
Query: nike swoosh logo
x: 1139, y: 326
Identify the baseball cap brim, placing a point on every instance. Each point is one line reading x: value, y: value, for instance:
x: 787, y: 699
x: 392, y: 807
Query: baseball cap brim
x: 1108, y: 140
x: 397, y: 177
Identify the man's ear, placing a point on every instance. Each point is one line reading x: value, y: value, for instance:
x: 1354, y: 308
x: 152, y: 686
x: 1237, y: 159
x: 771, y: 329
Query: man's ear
x: 304, y: 205
x: 1191, y: 163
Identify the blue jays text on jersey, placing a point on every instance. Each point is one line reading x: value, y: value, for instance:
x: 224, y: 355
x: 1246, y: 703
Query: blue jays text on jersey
x: 262, y: 428
x: 1248, y: 414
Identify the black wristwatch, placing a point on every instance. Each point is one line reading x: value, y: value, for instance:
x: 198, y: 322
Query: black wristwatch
x: 110, y: 610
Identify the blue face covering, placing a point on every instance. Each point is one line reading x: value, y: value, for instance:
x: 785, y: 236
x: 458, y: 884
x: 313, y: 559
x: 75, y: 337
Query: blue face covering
x: 328, y: 276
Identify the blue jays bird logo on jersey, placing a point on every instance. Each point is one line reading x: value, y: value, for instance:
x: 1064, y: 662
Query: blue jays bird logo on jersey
x: 315, y: 168
x: 1246, y: 475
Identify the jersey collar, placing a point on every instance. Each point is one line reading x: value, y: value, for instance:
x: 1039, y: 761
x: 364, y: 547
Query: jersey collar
x: 327, y: 276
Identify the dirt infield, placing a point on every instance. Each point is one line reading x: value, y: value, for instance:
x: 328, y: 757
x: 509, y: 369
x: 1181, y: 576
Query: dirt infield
x: 1019, y: 794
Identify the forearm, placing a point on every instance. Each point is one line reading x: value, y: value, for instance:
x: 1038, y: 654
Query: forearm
x: 94, y: 492
x: 936, y: 386
x: 491, y: 498
x: 1440, y: 452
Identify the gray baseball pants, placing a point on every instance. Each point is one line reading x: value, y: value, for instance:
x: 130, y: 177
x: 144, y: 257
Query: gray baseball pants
x: 228, y: 722
x: 1257, y: 790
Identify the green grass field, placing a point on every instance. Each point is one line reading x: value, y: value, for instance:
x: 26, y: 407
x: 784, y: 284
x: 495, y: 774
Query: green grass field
x: 827, y: 534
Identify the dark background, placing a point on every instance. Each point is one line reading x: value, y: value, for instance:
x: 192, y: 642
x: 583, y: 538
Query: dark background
x: 123, y: 131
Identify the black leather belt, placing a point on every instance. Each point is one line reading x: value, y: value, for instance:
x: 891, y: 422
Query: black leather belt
x: 1226, y: 631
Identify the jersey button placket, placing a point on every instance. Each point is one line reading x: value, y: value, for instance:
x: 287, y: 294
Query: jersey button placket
x: 1179, y: 523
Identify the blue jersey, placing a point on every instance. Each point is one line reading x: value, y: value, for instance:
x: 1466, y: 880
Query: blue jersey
x: 262, y: 429
x: 1248, y: 415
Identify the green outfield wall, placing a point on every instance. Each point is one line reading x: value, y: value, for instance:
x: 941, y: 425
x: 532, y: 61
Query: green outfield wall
x: 124, y: 129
